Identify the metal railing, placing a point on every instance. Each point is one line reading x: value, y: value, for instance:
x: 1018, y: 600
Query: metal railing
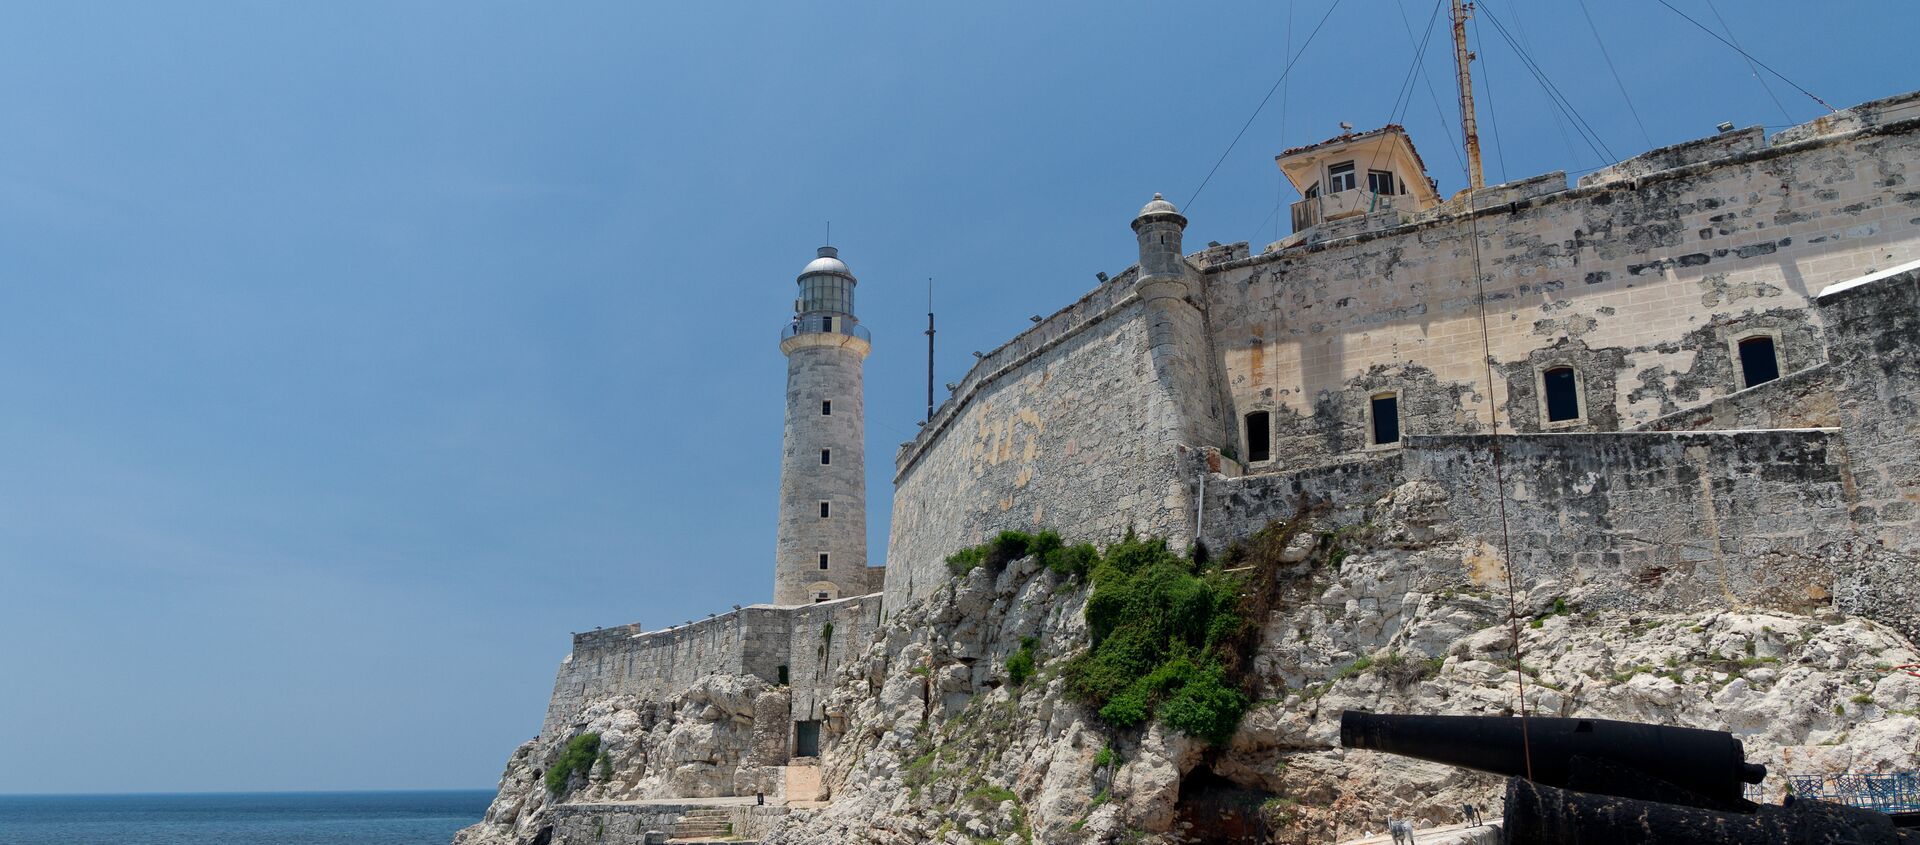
x: 1891, y: 792
x: 818, y: 325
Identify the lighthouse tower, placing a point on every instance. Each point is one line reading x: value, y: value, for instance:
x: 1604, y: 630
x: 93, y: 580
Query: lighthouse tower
x: 821, y: 553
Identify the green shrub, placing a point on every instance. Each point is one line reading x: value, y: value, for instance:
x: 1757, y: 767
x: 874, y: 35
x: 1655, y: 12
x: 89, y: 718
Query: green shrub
x: 1161, y: 632
x: 1020, y: 663
x: 1104, y: 757
x: 1076, y: 560
x: 964, y: 561
x: 578, y: 756
x: 1008, y: 546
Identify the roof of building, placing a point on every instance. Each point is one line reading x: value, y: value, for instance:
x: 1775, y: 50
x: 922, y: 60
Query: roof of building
x: 1349, y: 137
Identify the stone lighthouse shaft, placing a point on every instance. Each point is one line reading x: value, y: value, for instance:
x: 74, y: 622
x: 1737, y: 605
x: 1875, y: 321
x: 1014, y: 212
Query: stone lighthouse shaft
x: 821, y: 553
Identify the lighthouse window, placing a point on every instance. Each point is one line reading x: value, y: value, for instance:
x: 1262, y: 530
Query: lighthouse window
x: 826, y: 510
x: 823, y: 560
x: 826, y: 457
x: 826, y: 324
x: 1340, y: 177
x: 826, y: 407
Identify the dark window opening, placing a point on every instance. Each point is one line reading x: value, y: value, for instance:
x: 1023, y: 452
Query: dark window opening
x: 1563, y: 394
x: 826, y: 509
x: 1380, y: 182
x: 826, y: 407
x: 1313, y: 190
x: 819, y: 597
x: 823, y: 560
x: 806, y: 739
x: 1340, y: 177
x: 1386, y: 419
x: 783, y: 674
x: 826, y: 324
x: 1759, y: 363
x: 826, y: 457
x: 1259, y: 436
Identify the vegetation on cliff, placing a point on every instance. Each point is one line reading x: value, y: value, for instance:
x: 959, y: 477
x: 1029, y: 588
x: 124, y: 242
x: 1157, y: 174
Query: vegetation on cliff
x: 1162, y: 629
x: 577, y: 757
x: 1168, y: 633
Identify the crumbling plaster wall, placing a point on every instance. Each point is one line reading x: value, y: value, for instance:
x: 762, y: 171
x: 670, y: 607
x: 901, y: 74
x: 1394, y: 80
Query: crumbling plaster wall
x: 1643, y: 279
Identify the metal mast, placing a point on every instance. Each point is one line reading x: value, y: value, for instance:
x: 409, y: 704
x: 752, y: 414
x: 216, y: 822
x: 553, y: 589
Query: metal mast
x: 1461, y: 57
x: 929, y: 349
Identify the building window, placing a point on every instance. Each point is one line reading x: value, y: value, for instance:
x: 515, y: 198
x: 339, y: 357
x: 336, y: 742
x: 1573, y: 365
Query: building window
x: 823, y: 559
x: 826, y: 407
x: 783, y: 674
x: 819, y: 597
x: 1562, y: 391
x: 1313, y: 190
x: 1759, y: 362
x: 826, y: 324
x: 826, y: 457
x: 1340, y: 177
x: 1259, y: 436
x: 825, y: 508
x: 1380, y: 182
x: 1385, y: 411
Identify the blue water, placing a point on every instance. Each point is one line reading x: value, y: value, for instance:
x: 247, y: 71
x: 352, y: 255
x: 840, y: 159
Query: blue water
x: 276, y: 818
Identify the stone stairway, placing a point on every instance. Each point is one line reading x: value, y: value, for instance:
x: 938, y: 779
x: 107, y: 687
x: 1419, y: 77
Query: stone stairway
x: 703, y: 825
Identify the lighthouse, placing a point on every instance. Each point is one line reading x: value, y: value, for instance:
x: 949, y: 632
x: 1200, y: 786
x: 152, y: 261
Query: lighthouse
x: 821, y: 550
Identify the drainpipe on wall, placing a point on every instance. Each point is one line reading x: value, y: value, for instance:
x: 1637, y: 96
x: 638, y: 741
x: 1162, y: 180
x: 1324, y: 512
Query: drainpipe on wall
x: 1200, y: 503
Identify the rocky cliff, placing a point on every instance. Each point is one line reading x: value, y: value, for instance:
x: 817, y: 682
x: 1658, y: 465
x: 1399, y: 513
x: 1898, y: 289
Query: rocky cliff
x: 1386, y: 607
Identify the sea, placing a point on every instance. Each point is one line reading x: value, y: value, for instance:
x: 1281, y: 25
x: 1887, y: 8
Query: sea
x: 266, y: 818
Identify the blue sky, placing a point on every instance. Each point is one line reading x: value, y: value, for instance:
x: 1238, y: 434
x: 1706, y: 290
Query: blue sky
x: 354, y: 353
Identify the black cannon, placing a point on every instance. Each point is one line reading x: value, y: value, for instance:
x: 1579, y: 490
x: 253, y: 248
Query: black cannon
x: 1601, y: 781
x: 1712, y: 765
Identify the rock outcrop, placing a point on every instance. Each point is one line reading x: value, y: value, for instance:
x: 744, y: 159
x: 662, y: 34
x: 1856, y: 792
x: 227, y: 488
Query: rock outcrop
x: 1386, y: 608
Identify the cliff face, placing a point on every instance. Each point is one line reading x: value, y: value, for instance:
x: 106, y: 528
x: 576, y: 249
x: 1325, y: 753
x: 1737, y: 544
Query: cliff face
x: 696, y: 743
x: 926, y: 739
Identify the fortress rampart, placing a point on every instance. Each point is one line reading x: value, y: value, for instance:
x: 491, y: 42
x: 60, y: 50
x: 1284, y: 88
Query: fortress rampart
x: 791, y: 645
x: 1642, y: 280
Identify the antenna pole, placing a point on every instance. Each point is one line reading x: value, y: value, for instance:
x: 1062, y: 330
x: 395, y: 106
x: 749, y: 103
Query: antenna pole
x: 929, y: 349
x: 1468, y: 128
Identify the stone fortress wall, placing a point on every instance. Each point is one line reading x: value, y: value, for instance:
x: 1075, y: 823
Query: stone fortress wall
x: 1676, y: 484
x: 1642, y: 277
x: 760, y: 640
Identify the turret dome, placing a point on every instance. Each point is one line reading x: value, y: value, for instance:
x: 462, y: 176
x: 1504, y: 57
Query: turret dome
x: 1159, y: 205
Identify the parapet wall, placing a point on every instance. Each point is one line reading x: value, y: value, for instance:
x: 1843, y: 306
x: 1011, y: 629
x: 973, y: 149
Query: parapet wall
x: 759, y: 640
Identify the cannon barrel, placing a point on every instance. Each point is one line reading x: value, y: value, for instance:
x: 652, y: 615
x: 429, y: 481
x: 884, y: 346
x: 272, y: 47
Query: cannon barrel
x: 1544, y: 815
x: 1711, y: 764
